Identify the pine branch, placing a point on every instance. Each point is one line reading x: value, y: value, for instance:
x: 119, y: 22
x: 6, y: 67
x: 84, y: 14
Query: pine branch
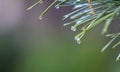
x: 88, y: 13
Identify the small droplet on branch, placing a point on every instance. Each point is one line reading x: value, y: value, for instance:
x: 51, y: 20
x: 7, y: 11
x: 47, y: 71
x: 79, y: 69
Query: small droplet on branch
x: 73, y: 28
x: 40, y: 18
x: 57, y: 7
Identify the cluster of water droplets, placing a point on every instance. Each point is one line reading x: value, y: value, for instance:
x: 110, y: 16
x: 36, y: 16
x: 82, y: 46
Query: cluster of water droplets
x: 78, y: 39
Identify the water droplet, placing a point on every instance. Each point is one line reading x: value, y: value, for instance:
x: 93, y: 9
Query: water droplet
x: 77, y: 38
x: 73, y: 28
x: 40, y: 18
x: 57, y: 7
x: 66, y: 16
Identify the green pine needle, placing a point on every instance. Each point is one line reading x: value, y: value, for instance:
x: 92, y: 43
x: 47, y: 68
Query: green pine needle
x: 105, y: 12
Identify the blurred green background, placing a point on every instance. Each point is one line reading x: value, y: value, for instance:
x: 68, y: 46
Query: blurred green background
x: 30, y: 45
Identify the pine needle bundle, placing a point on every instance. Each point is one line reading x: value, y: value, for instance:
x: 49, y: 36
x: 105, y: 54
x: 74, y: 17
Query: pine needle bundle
x: 88, y: 14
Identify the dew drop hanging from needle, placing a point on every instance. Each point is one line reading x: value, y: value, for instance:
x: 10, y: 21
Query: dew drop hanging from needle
x: 57, y: 6
x: 45, y: 11
x: 40, y: 17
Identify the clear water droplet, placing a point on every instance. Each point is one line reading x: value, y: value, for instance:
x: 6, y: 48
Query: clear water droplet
x: 73, y: 28
x: 57, y: 7
x: 76, y: 37
x: 40, y: 18
x: 78, y: 40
